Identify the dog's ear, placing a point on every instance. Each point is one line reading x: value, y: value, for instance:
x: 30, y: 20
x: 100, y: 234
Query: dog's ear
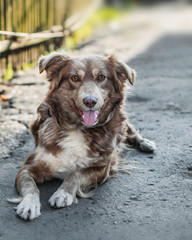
x: 52, y: 60
x: 123, y: 71
x: 53, y: 64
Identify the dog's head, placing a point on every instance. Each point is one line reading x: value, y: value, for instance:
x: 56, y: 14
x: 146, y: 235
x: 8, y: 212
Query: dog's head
x: 84, y: 90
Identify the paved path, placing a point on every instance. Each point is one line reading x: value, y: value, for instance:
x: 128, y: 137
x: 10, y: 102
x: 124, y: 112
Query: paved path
x: 155, y: 202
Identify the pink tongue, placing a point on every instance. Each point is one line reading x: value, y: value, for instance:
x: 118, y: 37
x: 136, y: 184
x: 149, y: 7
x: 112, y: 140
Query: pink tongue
x: 90, y: 117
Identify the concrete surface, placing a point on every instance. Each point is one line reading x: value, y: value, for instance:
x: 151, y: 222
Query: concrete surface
x: 155, y: 202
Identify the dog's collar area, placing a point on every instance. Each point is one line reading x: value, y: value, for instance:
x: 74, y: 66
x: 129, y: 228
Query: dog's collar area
x: 48, y: 112
x: 108, y: 118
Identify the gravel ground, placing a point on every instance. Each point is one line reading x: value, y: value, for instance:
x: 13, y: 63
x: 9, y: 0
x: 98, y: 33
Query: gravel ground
x: 155, y: 202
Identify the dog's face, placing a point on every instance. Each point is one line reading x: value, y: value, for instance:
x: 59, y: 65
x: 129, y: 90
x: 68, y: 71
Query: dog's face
x: 84, y: 90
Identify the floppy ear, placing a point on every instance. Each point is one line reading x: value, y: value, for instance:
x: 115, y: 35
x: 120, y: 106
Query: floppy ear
x: 53, y: 59
x: 123, y: 71
x: 53, y: 64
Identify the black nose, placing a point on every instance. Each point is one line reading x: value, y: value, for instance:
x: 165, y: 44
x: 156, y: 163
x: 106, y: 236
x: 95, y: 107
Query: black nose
x: 90, y: 101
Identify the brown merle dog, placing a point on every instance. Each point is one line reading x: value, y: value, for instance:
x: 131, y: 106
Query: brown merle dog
x: 79, y: 129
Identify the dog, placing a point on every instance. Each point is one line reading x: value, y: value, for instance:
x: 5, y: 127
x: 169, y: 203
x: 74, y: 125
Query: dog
x: 79, y: 131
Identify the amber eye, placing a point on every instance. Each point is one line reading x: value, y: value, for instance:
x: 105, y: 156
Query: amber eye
x: 75, y: 78
x: 101, y: 77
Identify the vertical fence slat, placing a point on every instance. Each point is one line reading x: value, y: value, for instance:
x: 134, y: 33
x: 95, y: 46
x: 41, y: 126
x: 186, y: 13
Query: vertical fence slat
x: 1, y: 65
x: 3, y: 25
x: 0, y: 13
x: 20, y: 14
x: 13, y: 30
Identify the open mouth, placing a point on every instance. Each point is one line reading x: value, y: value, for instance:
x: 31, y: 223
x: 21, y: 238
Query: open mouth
x: 90, y: 117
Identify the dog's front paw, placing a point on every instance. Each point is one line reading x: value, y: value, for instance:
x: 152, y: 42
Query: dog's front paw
x: 29, y: 207
x: 61, y: 199
x: 147, y: 146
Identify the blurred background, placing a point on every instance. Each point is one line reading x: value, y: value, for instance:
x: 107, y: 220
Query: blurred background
x: 29, y: 28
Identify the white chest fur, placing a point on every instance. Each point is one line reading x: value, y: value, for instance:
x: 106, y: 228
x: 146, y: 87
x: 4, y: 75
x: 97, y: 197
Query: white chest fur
x: 74, y: 154
x: 74, y: 148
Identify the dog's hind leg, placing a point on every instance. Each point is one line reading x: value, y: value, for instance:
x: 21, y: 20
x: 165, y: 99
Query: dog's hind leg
x: 134, y: 138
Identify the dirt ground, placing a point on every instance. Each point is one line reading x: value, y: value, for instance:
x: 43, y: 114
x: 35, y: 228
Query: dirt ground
x: 155, y: 202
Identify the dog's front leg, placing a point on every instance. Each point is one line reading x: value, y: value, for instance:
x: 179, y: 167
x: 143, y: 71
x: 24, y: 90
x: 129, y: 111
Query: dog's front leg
x: 66, y: 194
x: 82, y: 178
x: 29, y: 207
x: 134, y: 138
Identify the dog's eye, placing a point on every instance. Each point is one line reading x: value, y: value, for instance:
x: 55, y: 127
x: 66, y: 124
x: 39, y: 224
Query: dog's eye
x: 75, y: 78
x: 101, y: 77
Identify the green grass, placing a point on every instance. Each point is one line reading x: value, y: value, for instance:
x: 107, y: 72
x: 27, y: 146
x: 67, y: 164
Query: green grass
x: 27, y: 66
x: 9, y: 70
x: 9, y: 73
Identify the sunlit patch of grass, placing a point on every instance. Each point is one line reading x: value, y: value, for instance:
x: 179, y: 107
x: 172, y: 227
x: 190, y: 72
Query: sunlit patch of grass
x: 103, y: 15
x: 27, y: 66
x: 9, y: 73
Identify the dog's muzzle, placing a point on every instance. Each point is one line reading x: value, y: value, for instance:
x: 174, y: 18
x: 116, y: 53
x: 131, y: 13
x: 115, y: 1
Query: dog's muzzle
x: 89, y: 117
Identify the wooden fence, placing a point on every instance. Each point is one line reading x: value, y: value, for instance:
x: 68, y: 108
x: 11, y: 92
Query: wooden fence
x: 29, y: 28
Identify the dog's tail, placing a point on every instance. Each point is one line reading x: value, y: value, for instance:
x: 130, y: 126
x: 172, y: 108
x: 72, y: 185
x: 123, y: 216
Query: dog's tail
x: 14, y: 200
x: 124, y: 167
x: 84, y: 194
